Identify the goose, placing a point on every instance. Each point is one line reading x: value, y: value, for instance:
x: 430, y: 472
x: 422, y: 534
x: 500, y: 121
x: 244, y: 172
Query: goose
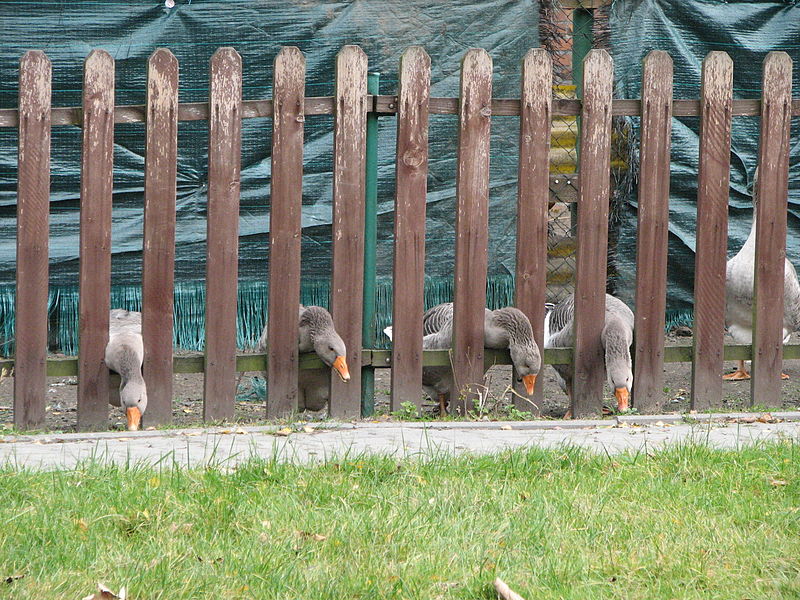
x: 124, y: 355
x: 616, y: 338
x: 739, y: 284
x: 503, y: 328
x: 316, y: 334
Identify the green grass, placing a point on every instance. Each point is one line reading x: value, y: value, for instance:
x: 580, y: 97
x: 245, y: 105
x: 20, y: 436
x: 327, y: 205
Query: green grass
x: 688, y: 522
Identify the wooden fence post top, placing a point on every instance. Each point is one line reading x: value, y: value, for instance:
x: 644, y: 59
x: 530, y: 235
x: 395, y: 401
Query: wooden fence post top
x: 417, y: 54
x: 717, y: 60
x: 475, y: 58
x: 348, y: 51
x: 226, y: 56
x: 658, y: 59
x: 777, y: 78
x: 597, y: 59
x: 290, y: 53
x: 537, y: 57
x: 34, y: 56
x: 162, y: 57
x: 97, y: 58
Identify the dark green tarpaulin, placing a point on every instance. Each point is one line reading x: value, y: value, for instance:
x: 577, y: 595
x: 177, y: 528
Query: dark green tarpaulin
x: 193, y: 30
x: 688, y: 30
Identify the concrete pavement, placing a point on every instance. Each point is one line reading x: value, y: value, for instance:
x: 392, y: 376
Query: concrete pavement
x: 316, y: 442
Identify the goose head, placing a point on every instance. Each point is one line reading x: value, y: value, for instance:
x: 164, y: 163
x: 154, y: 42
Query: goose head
x: 133, y: 399
x: 327, y: 344
x: 525, y: 355
x: 619, y: 370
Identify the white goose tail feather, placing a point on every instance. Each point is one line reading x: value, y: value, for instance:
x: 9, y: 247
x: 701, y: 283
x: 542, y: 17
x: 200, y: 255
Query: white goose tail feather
x: 388, y: 332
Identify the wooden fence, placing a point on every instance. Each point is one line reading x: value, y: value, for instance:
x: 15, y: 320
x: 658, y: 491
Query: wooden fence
x: 412, y: 106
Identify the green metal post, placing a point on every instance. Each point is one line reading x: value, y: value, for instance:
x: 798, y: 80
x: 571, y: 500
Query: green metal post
x: 582, y: 38
x: 370, y: 246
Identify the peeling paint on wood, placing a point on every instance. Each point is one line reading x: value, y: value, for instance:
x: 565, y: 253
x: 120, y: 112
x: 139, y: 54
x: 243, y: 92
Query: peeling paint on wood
x: 158, y: 260
x: 713, y: 178
x: 222, y: 262
x: 409, y: 226
x: 286, y: 205
x: 33, y: 204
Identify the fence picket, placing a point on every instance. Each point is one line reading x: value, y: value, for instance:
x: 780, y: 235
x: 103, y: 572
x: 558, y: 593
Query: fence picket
x: 347, y: 277
x: 286, y: 205
x: 772, y: 194
x: 33, y: 205
x: 652, y: 231
x: 472, y: 226
x: 158, y: 256
x: 97, y: 167
x: 224, y: 165
x: 409, y: 225
x: 713, y: 178
x: 533, y: 195
x: 590, y: 260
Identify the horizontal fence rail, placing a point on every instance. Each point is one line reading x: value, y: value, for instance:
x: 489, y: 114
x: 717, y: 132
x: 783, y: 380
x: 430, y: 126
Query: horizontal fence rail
x: 412, y: 107
x: 387, y: 105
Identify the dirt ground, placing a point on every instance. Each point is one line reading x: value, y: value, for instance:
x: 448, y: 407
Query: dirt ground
x: 188, y: 388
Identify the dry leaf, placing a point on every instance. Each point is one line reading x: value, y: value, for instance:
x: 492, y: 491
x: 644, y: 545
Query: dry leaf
x: 506, y: 427
x: 284, y: 432
x: 103, y: 593
x: 777, y: 482
x: 308, y: 429
x: 13, y: 578
x: 187, y: 410
x: 318, y: 537
x: 82, y: 525
x: 240, y: 431
x: 766, y: 418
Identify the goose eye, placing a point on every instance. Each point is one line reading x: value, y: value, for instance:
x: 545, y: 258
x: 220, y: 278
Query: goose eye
x: 519, y: 379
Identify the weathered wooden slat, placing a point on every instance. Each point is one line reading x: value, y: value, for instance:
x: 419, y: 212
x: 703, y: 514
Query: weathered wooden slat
x: 409, y: 226
x: 158, y: 256
x: 33, y: 206
x: 771, y: 208
x: 224, y: 166
x: 652, y: 232
x: 712, y: 230
x: 387, y: 105
x: 284, y: 230
x: 533, y: 195
x: 590, y: 269
x: 472, y: 227
x: 347, y: 278
x: 97, y: 166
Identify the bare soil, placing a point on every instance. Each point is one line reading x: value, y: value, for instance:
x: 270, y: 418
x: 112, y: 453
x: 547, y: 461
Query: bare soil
x: 61, y: 410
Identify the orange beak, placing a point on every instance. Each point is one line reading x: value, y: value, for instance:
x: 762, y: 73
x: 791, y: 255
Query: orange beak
x: 529, y: 381
x: 622, y: 398
x: 340, y: 364
x: 134, y: 418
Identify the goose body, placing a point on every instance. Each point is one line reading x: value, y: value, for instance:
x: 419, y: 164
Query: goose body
x: 503, y: 328
x: 616, y: 338
x: 739, y: 290
x: 125, y: 354
x: 316, y: 333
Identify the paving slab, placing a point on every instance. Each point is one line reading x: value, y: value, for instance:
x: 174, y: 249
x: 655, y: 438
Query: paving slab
x: 228, y: 446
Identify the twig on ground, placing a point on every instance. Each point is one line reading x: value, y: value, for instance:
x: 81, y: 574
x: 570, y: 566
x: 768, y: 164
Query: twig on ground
x: 505, y: 592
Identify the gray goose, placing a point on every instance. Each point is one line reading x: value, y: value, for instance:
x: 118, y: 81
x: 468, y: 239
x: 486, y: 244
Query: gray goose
x: 316, y: 333
x: 124, y: 355
x: 616, y: 337
x: 739, y: 285
x: 503, y: 328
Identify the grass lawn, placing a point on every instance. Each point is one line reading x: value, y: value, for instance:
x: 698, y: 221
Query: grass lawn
x: 684, y: 523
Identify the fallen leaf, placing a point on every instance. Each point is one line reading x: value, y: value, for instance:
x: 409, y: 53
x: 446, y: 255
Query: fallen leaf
x: 82, y: 525
x: 506, y: 427
x: 240, y: 431
x: 308, y: 429
x: 777, y: 482
x: 318, y: 537
x: 766, y: 418
x: 103, y: 593
x: 13, y: 578
x: 187, y: 410
x: 284, y: 432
